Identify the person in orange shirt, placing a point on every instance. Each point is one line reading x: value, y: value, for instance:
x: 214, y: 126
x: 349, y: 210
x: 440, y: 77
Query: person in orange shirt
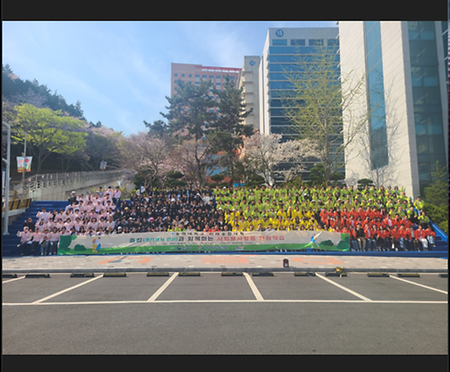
x: 402, y: 237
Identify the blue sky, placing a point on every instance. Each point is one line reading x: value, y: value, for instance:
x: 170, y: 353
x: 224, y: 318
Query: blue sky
x: 120, y: 70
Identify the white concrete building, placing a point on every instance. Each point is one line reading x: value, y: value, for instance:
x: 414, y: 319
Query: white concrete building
x: 404, y: 69
x: 248, y: 79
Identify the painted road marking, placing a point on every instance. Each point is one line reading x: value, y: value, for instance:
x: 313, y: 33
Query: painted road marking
x: 224, y: 260
x: 345, y: 288
x: 65, y: 290
x: 223, y: 301
x: 162, y: 288
x: 318, y: 260
x: 253, y: 287
x: 143, y: 260
x: 13, y: 280
x: 420, y: 285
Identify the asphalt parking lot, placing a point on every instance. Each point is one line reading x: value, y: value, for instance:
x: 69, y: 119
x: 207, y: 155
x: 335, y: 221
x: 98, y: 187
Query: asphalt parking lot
x: 215, y: 314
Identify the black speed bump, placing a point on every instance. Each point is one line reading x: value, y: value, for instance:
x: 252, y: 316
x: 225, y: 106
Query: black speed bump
x: 37, y: 276
x: 262, y: 274
x: 225, y: 273
x: 443, y: 275
x: 114, y: 275
x: 304, y: 274
x: 82, y: 275
x: 408, y: 275
x: 378, y: 275
x: 157, y: 274
x: 189, y: 274
x: 9, y: 275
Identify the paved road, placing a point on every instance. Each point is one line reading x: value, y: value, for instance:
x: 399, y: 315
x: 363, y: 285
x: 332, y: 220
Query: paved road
x: 216, y: 262
x: 214, y: 314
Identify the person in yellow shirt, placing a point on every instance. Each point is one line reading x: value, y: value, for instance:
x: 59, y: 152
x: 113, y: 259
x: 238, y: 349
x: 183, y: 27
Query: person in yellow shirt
x: 286, y: 222
x: 281, y: 213
x: 249, y: 222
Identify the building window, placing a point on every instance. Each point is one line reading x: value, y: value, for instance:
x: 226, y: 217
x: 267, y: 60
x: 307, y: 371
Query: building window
x: 377, y: 121
x: 298, y: 42
x: 315, y: 42
x: 333, y: 42
x: 279, y: 42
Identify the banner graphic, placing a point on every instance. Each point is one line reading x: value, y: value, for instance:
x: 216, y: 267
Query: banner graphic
x: 182, y: 241
x: 24, y: 164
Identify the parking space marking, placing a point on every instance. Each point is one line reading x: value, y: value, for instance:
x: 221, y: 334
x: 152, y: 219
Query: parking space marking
x: 162, y: 288
x: 418, y: 284
x: 223, y: 301
x: 65, y: 290
x: 345, y: 288
x: 254, y: 288
x: 13, y: 280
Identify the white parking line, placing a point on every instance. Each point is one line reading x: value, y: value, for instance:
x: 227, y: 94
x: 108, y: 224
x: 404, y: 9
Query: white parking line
x: 162, y: 288
x: 222, y: 301
x: 253, y: 287
x: 65, y: 290
x: 345, y: 288
x: 418, y: 284
x: 13, y: 280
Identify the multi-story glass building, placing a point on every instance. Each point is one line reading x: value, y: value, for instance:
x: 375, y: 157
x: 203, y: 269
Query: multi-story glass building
x: 284, y: 51
x: 404, y: 67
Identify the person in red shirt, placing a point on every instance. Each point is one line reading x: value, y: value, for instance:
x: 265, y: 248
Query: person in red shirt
x: 353, y: 240
x: 370, y: 240
x: 402, y: 237
x: 420, y: 240
x: 385, y: 239
x: 430, y: 235
x: 395, y: 238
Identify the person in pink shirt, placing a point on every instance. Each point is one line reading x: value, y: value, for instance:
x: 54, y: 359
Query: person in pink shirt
x: 77, y: 224
x: 53, y: 240
x: 36, y: 240
x: 68, y: 224
x: 25, y: 241
x: 45, y: 244
x: 93, y: 223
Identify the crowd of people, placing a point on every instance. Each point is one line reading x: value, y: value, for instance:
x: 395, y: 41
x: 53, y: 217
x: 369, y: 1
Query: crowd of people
x: 377, y: 219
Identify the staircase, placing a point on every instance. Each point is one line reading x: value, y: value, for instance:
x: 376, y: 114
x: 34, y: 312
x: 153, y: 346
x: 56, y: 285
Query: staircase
x: 441, y: 238
x: 9, y: 242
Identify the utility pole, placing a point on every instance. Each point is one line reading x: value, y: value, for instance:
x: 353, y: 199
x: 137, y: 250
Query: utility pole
x: 8, y: 166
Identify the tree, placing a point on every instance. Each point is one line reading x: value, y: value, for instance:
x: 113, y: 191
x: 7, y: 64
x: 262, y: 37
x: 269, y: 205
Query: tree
x: 315, y: 107
x: 265, y: 153
x: 228, y: 137
x: 47, y: 132
x: 436, y: 197
x: 191, y: 110
x: 149, y: 156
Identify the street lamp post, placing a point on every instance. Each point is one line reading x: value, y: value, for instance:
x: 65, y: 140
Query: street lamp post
x: 8, y: 166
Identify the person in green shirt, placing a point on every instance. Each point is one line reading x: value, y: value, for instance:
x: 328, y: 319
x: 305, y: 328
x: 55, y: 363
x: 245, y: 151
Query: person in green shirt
x: 418, y: 203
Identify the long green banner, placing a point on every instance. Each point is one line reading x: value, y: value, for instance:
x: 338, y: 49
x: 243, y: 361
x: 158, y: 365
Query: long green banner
x: 203, y: 242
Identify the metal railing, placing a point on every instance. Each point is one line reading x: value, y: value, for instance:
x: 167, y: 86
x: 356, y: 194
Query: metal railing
x: 38, y: 181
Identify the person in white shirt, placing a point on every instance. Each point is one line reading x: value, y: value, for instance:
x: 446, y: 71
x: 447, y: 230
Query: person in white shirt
x: 116, y: 196
x: 43, y: 214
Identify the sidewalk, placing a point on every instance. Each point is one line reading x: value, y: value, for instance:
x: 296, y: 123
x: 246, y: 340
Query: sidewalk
x: 215, y: 262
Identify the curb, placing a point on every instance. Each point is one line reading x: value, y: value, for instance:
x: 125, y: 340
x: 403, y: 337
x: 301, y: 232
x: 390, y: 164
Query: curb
x: 221, y: 269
